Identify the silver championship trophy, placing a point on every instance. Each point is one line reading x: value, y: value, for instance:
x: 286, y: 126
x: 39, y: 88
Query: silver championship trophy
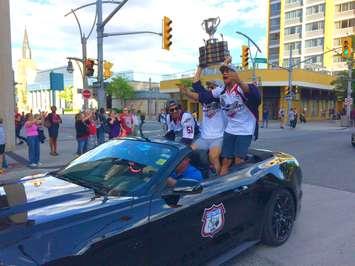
x: 214, y: 51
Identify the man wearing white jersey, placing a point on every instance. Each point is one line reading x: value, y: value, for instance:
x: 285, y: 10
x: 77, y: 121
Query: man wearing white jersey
x: 213, y: 122
x: 180, y: 123
x: 240, y: 102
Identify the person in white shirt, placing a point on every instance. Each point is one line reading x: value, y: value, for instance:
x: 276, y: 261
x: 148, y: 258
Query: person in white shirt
x: 179, y: 123
x: 213, y: 122
x: 240, y: 102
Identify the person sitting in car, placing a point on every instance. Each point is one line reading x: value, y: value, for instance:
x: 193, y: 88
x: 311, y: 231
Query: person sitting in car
x: 184, y: 171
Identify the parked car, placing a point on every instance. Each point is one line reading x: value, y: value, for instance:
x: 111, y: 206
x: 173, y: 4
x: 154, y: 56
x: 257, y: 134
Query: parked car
x: 112, y: 206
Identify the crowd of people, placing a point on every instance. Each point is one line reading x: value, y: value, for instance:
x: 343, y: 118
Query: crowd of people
x: 93, y: 126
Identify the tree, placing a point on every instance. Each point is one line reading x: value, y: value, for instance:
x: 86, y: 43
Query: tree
x: 341, y: 85
x: 120, y: 88
x: 67, y: 96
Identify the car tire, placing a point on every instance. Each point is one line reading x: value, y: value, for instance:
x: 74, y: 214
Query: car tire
x: 279, y: 218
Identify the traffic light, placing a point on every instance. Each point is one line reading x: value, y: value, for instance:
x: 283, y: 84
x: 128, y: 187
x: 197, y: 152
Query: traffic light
x: 89, y: 67
x: 346, y: 44
x: 287, y: 91
x: 167, y: 33
x: 107, y: 69
x: 245, y: 56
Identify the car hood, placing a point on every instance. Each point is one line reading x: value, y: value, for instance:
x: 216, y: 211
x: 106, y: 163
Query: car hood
x: 41, y: 198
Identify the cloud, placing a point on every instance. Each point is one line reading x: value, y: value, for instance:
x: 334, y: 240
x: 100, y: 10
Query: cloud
x: 53, y: 37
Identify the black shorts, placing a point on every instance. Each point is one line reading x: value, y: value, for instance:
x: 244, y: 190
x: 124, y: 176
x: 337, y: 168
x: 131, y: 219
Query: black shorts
x: 2, y: 149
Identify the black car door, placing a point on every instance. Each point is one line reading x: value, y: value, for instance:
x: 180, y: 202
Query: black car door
x: 125, y: 240
x: 200, y: 223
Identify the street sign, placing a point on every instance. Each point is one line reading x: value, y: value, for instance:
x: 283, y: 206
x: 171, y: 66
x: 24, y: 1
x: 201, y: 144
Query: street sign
x: 56, y: 81
x: 348, y: 101
x: 86, y: 94
x: 259, y: 60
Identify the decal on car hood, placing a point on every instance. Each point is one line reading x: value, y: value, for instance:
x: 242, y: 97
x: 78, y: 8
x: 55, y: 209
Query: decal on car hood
x: 213, y: 220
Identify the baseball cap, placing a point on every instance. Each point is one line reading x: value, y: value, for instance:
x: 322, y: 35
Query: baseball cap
x: 230, y: 67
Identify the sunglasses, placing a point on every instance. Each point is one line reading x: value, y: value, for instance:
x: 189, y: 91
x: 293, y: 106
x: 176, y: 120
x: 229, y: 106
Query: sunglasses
x: 171, y: 110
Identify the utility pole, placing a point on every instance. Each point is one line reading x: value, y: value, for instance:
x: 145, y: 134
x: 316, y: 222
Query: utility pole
x: 100, y: 54
x: 290, y: 69
x: 350, y: 70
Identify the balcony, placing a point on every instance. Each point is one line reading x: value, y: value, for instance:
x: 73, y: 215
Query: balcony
x: 274, y: 57
x: 315, y: 16
x: 293, y: 37
x: 344, y: 15
x: 289, y: 22
x: 315, y: 33
x: 274, y: 42
x: 293, y: 5
x: 311, y: 2
x: 295, y: 52
x: 275, y: 28
x: 344, y: 32
x: 313, y: 50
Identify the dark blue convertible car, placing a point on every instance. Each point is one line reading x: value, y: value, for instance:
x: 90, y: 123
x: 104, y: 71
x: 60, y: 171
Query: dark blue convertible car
x: 112, y: 206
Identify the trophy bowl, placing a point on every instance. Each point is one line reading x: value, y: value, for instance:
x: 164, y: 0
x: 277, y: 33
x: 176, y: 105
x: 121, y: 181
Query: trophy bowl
x: 214, y: 51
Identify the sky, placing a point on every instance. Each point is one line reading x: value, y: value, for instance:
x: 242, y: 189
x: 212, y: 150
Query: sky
x: 53, y: 37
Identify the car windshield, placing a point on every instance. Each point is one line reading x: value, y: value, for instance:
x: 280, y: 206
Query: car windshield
x: 118, y: 167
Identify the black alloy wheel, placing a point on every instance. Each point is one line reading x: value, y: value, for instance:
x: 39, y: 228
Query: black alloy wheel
x: 279, y: 218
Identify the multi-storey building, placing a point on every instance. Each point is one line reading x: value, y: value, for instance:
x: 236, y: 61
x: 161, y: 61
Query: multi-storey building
x: 310, y: 28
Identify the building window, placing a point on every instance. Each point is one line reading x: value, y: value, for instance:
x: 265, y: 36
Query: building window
x: 275, y: 24
x: 337, y: 42
x: 314, y: 42
x: 288, y: 2
x: 315, y: 26
x: 275, y: 9
x: 348, y: 23
x: 295, y: 14
x: 338, y: 59
x: 293, y: 46
x: 295, y: 62
x: 293, y: 30
x: 345, y: 7
x: 314, y: 59
x: 315, y: 9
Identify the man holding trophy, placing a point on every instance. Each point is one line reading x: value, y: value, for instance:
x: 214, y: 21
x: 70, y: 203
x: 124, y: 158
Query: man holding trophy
x: 238, y: 100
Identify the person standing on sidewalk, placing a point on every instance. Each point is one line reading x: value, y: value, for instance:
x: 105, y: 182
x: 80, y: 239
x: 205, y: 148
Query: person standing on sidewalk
x: 265, y: 117
x: 2, y: 145
x: 114, y: 124
x: 52, y: 123
x: 31, y: 127
x: 19, y: 121
x: 101, y: 124
x: 82, y: 133
x: 291, y: 118
x: 281, y: 116
x: 126, y: 123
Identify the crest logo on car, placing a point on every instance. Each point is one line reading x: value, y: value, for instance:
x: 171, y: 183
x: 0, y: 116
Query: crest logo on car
x: 212, y: 220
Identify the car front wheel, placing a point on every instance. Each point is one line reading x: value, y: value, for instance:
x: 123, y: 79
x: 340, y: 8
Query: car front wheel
x: 279, y: 218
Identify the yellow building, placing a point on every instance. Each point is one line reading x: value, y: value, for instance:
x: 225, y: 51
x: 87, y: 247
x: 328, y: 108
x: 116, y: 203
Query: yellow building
x: 314, y: 95
x: 309, y: 28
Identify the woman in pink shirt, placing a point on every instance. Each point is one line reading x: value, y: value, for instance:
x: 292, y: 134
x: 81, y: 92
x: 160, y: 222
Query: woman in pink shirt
x: 31, y: 129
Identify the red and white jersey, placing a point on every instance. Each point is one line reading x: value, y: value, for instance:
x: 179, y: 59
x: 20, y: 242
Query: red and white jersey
x: 185, y: 125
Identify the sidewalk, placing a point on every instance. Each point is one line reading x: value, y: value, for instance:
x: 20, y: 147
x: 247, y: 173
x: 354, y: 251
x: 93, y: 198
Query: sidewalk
x: 18, y: 159
x: 309, y: 126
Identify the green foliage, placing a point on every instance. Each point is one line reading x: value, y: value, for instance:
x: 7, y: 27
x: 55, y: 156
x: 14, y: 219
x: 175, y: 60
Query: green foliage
x: 67, y: 96
x: 185, y: 82
x: 120, y: 88
x: 341, y: 84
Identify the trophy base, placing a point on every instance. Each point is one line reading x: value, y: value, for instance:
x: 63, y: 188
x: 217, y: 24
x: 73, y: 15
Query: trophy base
x: 214, y: 52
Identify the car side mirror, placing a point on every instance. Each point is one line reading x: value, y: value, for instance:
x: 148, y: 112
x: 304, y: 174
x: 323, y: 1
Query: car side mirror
x: 187, y: 187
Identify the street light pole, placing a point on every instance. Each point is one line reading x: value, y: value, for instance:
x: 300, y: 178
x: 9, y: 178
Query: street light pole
x: 348, y: 107
x: 290, y: 69
x: 100, y: 31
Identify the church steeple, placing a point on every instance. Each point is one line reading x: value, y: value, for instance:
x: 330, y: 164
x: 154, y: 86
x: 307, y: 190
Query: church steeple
x: 26, y: 50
